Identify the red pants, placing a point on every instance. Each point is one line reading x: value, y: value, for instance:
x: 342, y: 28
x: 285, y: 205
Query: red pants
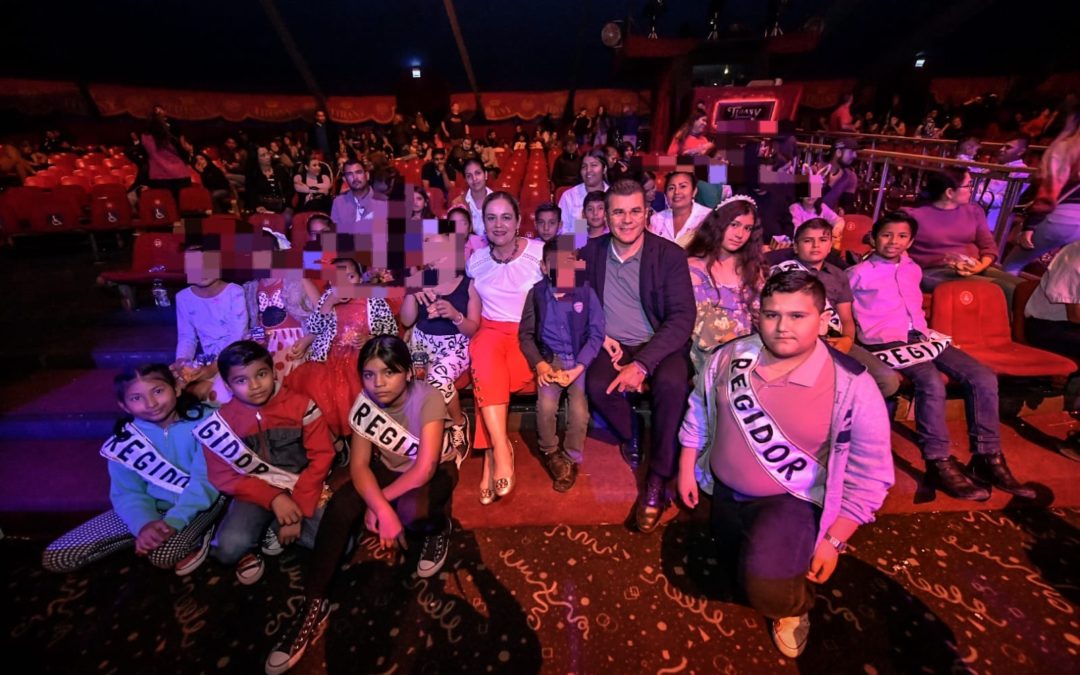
x: 498, y: 369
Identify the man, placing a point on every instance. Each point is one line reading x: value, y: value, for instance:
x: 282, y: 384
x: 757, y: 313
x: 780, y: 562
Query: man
x: 643, y: 282
x: 840, y: 179
x: 322, y: 137
x: 454, y: 128
x: 355, y: 211
x: 1010, y: 154
x: 792, y: 440
x: 567, y: 165
x: 436, y: 175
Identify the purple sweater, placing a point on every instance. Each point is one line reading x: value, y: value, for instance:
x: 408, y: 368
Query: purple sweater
x: 958, y: 231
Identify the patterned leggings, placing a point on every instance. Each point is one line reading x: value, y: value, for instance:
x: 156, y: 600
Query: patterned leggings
x: 106, y: 534
x: 448, y: 359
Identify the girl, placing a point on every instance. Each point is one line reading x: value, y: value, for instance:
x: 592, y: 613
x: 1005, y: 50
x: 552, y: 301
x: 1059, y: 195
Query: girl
x: 279, y: 308
x: 725, y: 258
x: 476, y: 178
x: 162, y: 501
x: 342, y: 322
x: 421, y: 208
x: 681, y: 219
x: 403, y: 477
x: 313, y: 184
x: 691, y: 138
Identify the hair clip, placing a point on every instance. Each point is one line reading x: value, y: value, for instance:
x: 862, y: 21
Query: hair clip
x: 735, y: 198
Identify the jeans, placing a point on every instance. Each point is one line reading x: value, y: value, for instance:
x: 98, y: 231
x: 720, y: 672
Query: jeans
x: 243, y: 526
x: 1061, y: 227
x: 577, y: 413
x: 774, y: 538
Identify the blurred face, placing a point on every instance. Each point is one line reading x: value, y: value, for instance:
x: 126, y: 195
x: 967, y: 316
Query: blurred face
x: 612, y: 156
x: 356, y: 177
x: 455, y: 108
x: 650, y: 190
x: 969, y: 148
x: 962, y: 194
x: 265, y: 156
x: 791, y: 323
x: 466, y: 144
x: 812, y: 246
x: 892, y: 240
x: 320, y: 117
x: 698, y: 127
x: 150, y: 399
x: 381, y: 384
x: 738, y: 233
x: 476, y: 177
x: 626, y: 218
x: 345, y: 276
x: 318, y: 228
x: 547, y: 225
x: 595, y: 217
x: 1011, y: 151
x: 314, y: 166
x: 846, y: 156
x: 200, y: 163
x: 592, y: 172
x: 440, y: 160
x: 252, y: 384
x: 500, y: 222
x: 680, y: 191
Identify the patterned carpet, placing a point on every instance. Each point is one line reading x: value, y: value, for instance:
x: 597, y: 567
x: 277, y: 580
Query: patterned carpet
x: 985, y: 592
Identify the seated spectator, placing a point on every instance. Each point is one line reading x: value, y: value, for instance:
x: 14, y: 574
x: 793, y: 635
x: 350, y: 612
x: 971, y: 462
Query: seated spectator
x: 235, y: 161
x: 421, y: 206
x: 593, y: 211
x: 548, y: 220
x: 954, y: 130
x: 567, y: 169
x: 956, y: 242
x: 928, y: 128
x: 841, y: 118
x: 476, y: 178
x: 808, y: 208
x: 680, y: 221
x: 691, y: 138
x: 279, y: 307
x: 840, y: 179
x: 488, y: 155
x: 314, y: 186
x: 617, y: 168
x: 454, y: 128
x: 280, y: 156
x: 358, y: 209
x: 1011, y: 154
x: 967, y: 149
x: 593, y: 172
x: 214, y: 180
x: 890, y: 320
x: 268, y: 188
x: 895, y: 127
x: 165, y: 507
x: 1053, y: 314
x: 726, y: 274
x: 436, y: 175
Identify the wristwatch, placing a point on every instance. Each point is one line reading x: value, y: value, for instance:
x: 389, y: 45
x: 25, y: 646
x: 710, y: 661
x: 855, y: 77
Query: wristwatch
x: 840, y: 546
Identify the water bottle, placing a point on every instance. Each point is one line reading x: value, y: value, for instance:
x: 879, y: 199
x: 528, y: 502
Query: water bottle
x: 420, y: 365
x: 161, y: 295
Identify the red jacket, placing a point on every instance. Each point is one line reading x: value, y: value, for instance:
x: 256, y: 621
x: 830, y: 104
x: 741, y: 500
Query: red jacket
x: 291, y: 435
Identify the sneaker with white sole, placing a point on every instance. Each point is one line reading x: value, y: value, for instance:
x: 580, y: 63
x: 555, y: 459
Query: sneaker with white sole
x: 193, y: 560
x: 305, y: 630
x: 250, y: 569
x: 459, y: 437
x: 433, y: 553
x: 790, y: 634
x: 270, y: 545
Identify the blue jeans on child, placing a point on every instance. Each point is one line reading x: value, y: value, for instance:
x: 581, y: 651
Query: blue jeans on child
x: 243, y: 527
x: 577, y: 413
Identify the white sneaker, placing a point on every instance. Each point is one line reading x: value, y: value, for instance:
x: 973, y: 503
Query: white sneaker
x: 270, y: 545
x: 250, y: 569
x: 790, y: 634
x: 433, y: 554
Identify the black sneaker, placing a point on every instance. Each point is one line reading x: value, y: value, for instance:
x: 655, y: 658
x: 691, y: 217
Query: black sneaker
x: 270, y: 545
x: 305, y: 630
x: 459, y: 437
x: 433, y: 554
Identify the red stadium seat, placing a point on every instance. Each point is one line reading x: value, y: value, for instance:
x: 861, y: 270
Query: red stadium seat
x: 157, y: 207
x: 108, y: 179
x: 110, y: 212
x: 195, y: 201
x: 856, y: 227
x: 53, y: 212
x: 75, y: 193
x: 975, y: 315
x: 1021, y: 295
x: 560, y: 190
x: 20, y: 201
x: 81, y: 180
x: 152, y: 251
x: 275, y: 221
x: 39, y: 180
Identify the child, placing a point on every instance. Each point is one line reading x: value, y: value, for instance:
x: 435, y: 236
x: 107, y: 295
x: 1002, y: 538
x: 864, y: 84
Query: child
x: 210, y: 315
x: 162, y: 500
x: 269, y: 447
x: 561, y: 332
x: 891, y: 323
x: 403, y: 478
x: 592, y: 210
x: 279, y: 308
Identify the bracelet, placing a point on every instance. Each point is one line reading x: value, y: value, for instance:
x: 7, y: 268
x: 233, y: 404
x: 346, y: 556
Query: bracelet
x: 458, y: 321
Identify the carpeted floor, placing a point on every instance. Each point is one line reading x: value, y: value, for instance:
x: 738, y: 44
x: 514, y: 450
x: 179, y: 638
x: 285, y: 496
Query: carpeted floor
x: 986, y: 592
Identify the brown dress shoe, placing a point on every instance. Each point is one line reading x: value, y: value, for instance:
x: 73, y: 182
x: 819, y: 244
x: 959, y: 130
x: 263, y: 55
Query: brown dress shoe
x: 651, y: 504
x: 993, y: 471
x: 563, y: 470
x: 948, y: 476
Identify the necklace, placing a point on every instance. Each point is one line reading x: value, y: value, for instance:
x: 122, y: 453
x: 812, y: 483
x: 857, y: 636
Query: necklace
x: 517, y: 246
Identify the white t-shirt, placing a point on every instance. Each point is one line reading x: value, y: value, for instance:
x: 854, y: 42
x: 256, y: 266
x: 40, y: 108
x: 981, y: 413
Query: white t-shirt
x: 1060, y: 286
x: 477, y: 212
x: 502, y: 287
x: 662, y: 224
x: 571, y: 204
x: 800, y: 215
x: 214, y: 323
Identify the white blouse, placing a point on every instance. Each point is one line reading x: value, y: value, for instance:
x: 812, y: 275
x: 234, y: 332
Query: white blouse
x: 662, y: 224
x: 502, y: 287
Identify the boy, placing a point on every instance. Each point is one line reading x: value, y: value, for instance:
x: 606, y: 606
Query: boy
x: 592, y: 210
x: 891, y: 323
x: 270, y: 449
x: 548, y: 221
x: 791, y: 438
x: 561, y: 332
x: 813, y: 242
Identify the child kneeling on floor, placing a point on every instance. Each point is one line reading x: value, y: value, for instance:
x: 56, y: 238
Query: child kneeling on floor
x: 561, y: 332
x: 404, y: 468
x: 162, y: 500
x: 269, y: 448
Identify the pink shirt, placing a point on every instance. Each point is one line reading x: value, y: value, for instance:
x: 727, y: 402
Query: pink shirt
x: 164, y: 163
x: 800, y: 403
x: 886, y: 299
x: 942, y: 232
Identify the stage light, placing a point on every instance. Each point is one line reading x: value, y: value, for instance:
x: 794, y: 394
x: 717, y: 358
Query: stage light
x: 920, y: 62
x: 416, y: 73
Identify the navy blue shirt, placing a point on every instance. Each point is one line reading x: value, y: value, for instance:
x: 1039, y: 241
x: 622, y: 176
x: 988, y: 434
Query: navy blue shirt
x: 555, y: 333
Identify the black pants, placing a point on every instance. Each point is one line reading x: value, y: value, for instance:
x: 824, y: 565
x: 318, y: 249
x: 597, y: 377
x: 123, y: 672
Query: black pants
x: 1060, y: 337
x: 669, y: 387
x: 424, y: 510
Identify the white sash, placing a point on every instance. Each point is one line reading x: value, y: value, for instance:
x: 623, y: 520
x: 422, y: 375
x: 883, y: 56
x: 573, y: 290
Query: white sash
x: 371, y: 422
x: 137, y: 453
x: 834, y: 318
x: 903, y: 356
x: 795, y: 470
x: 216, y: 434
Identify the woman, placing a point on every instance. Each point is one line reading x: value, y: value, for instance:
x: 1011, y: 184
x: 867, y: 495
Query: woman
x: 954, y: 241
x: 314, y: 185
x: 593, y: 177
x: 421, y: 206
x: 269, y: 188
x: 681, y: 219
x: 214, y: 180
x: 601, y: 127
x: 398, y: 488
x: 166, y: 166
x: 503, y: 273
x: 690, y: 139
x: 476, y: 178
x: 726, y: 272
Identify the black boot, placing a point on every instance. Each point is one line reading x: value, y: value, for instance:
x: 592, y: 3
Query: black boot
x: 993, y: 471
x: 948, y: 476
x: 631, y: 450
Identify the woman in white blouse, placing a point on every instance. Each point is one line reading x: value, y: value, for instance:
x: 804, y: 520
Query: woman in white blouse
x: 681, y: 219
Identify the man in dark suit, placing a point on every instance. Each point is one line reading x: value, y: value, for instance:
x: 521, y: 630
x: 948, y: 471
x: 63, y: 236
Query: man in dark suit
x: 644, y: 285
x: 323, y: 137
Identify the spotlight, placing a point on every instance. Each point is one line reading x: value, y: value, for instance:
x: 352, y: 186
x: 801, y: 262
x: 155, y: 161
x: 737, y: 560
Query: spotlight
x: 416, y: 73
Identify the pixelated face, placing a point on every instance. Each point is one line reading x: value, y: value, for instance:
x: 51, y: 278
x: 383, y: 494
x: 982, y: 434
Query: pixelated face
x: 476, y: 177
x: 562, y: 265
x: 791, y: 323
x: 547, y: 225
x: 500, y: 222
x: 626, y: 217
x: 680, y: 191
x: 592, y: 172
x: 382, y: 384
x: 345, y: 275
x: 357, y: 177
x: 595, y: 216
x: 150, y: 399
x: 203, y: 267
x: 738, y: 233
x: 813, y: 245
x: 252, y: 384
x: 892, y: 240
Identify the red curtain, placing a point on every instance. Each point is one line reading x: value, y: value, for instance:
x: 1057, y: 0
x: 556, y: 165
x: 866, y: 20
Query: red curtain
x: 41, y: 97
x: 529, y: 105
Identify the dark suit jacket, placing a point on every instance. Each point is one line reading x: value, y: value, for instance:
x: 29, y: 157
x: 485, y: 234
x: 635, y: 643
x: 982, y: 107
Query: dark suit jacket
x: 666, y: 294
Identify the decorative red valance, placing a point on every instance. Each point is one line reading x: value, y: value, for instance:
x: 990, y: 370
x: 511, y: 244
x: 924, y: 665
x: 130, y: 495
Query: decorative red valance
x: 529, y: 105
x: 822, y: 94
x: 41, y: 97
x: 959, y: 89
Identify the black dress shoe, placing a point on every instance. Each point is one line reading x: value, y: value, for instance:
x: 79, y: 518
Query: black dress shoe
x: 948, y: 476
x: 651, y: 504
x: 563, y: 470
x: 993, y: 471
x: 631, y: 450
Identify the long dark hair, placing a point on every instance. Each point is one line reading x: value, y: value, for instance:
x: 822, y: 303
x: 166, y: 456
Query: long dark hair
x: 390, y: 349
x: 187, y: 406
x: 710, y: 237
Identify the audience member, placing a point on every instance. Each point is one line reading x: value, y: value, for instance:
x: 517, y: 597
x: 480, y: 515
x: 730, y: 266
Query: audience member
x: 593, y: 177
x: 215, y: 183
x: 680, y: 221
x: 357, y: 210
x: 314, y: 185
x: 279, y: 307
x: 476, y: 178
x: 691, y: 138
x: 436, y: 175
x: 1011, y: 153
x: 268, y: 188
x: 454, y: 128
x: 1053, y: 314
x: 840, y: 179
x: 593, y: 210
x: 548, y: 221
x: 567, y: 169
x: 322, y: 137
x: 841, y: 118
